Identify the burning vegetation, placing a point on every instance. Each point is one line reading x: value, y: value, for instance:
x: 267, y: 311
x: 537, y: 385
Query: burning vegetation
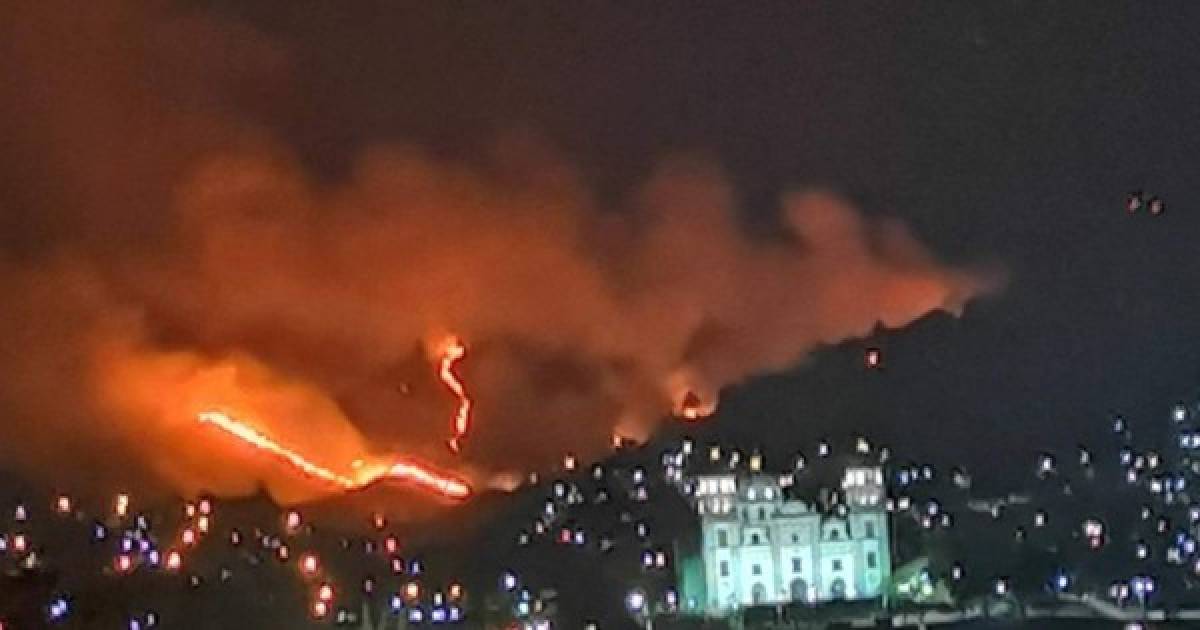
x: 210, y: 269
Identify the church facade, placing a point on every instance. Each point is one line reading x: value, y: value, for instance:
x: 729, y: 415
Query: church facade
x: 760, y: 548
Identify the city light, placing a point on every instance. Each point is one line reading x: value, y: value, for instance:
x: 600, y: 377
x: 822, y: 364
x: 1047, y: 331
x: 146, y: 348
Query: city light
x: 636, y: 601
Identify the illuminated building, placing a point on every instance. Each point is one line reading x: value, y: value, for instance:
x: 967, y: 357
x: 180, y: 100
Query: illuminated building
x: 758, y: 547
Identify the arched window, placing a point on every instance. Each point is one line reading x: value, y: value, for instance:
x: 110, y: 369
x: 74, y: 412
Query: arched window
x: 837, y: 590
x: 799, y: 590
x: 758, y: 594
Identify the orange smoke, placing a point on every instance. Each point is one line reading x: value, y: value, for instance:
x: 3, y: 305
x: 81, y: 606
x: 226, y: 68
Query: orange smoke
x: 210, y: 268
x: 452, y: 352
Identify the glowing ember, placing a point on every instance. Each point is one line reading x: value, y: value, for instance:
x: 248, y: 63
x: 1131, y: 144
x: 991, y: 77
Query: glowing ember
x: 453, y: 351
x: 403, y: 470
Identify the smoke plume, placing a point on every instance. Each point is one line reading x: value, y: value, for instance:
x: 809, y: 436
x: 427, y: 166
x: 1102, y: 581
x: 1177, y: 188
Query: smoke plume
x: 163, y: 254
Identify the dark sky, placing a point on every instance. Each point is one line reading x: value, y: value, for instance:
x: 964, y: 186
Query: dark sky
x: 1006, y: 131
x: 1003, y: 133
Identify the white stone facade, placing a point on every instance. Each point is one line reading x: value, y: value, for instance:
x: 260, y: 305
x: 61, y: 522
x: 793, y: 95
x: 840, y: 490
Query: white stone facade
x: 760, y: 548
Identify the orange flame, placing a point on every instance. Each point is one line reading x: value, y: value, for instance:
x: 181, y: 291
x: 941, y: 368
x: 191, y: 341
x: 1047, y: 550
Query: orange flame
x: 691, y: 407
x: 422, y: 476
x: 252, y: 437
x: 453, y: 351
x: 405, y: 470
x: 691, y: 400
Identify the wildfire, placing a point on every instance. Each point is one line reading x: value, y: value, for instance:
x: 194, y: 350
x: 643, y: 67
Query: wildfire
x: 252, y: 437
x: 690, y: 399
x: 404, y: 470
x: 692, y: 408
x: 453, y: 351
x: 422, y: 476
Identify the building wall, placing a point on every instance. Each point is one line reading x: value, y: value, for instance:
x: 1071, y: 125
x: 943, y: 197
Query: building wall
x: 776, y: 551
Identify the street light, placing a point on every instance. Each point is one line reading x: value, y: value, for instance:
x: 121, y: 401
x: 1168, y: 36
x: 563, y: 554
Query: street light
x: 635, y: 601
x: 509, y: 581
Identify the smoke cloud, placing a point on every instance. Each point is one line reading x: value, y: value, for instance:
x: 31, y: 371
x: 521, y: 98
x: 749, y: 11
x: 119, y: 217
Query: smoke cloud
x: 162, y: 254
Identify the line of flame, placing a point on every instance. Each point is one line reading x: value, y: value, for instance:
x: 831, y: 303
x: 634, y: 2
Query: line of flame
x: 453, y: 352
x: 405, y: 470
x: 249, y: 435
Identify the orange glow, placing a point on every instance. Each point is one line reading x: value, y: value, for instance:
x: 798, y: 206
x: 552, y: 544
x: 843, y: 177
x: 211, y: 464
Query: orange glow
x: 425, y: 478
x: 453, y: 351
x: 174, y: 561
x: 309, y: 564
x: 690, y: 398
x: 692, y: 408
x: 252, y: 437
x: 403, y: 470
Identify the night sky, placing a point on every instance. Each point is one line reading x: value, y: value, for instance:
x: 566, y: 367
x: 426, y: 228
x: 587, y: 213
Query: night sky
x: 1003, y: 133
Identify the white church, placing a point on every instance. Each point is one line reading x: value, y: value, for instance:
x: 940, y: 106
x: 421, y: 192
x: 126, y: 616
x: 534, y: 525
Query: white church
x: 760, y: 548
